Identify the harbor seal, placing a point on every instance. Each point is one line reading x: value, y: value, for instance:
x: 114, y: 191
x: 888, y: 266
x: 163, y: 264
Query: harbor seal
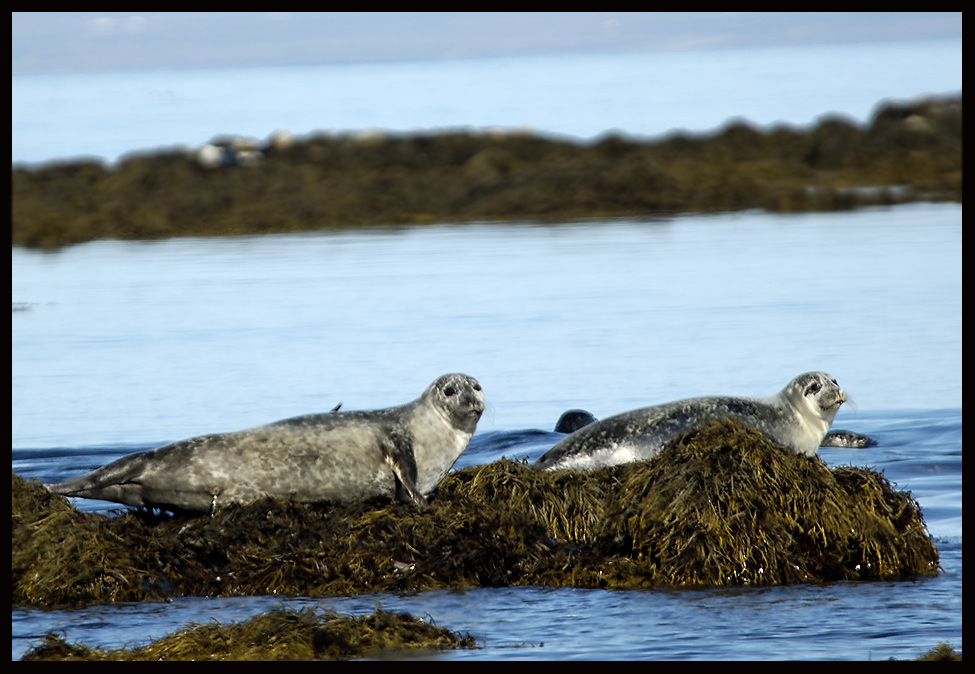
x: 572, y: 420
x: 339, y: 457
x: 797, y: 417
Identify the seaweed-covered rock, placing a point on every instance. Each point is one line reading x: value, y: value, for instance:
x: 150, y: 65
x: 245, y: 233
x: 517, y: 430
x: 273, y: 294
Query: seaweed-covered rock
x: 342, y: 181
x: 720, y: 505
x: 941, y: 652
x: 725, y: 505
x: 278, y: 635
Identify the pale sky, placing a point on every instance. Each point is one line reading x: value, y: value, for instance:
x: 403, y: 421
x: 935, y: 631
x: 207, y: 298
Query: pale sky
x: 92, y: 41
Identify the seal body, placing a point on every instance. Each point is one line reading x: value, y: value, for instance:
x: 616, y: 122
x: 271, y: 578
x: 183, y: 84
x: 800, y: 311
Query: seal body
x: 573, y: 420
x: 340, y: 457
x: 797, y: 417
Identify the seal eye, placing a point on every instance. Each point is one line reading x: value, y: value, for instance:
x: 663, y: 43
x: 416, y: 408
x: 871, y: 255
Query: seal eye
x: 449, y: 391
x: 814, y: 388
x: 477, y: 387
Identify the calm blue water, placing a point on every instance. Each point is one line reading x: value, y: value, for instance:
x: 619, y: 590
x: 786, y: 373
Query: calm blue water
x: 121, y: 346
x: 152, y: 341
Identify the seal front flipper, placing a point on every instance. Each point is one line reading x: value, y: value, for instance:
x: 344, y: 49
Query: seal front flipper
x: 398, y: 454
x: 847, y: 440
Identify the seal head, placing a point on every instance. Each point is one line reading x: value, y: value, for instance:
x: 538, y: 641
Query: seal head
x: 572, y: 420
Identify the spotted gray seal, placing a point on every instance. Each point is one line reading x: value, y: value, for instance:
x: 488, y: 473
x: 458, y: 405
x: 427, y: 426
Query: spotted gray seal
x: 797, y: 417
x: 573, y: 420
x: 401, y: 452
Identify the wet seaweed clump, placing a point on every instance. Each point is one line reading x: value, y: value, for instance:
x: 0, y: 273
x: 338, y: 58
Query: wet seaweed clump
x: 942, y: 652
x: 724, y: 505
x: 909, y: 151
x: 721, y: 505
x: 279, y: 635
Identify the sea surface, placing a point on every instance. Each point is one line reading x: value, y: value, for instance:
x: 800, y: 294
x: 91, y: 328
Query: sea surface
x: 121, y: 346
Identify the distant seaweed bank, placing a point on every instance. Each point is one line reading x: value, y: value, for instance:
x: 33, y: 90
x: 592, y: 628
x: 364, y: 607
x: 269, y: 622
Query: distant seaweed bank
x: 907, y: 152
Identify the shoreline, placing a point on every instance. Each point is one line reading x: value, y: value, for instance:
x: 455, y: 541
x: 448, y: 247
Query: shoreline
x: 908, y: 152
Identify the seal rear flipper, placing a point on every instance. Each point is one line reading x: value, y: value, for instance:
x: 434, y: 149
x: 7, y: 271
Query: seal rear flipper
x: 119, y: 481
x: 127, y: 493
x: 398, y: 453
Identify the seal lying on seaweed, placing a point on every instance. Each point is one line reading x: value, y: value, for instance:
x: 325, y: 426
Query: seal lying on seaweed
x: 400, y: 452
x: 797, y: 417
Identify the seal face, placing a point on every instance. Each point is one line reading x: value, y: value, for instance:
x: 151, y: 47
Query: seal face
x: 400, y: 452
x: 796, y: 417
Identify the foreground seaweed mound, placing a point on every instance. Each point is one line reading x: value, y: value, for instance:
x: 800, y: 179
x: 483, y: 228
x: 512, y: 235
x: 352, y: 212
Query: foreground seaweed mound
x: 730, y: 507
x: 942, y: 652
x: 722, y: 505
x: 909, y: 151
x: 279, y: 635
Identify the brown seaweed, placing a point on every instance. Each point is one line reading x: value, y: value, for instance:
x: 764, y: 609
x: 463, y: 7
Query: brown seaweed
x: 722, y: 505
x: 278, y: 635
x: 910, y: 151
